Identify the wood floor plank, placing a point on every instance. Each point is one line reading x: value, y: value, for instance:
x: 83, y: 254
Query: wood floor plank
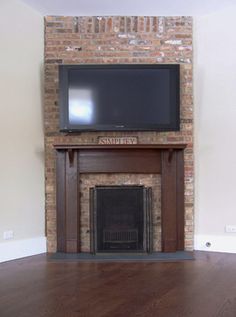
x: 40, y: 287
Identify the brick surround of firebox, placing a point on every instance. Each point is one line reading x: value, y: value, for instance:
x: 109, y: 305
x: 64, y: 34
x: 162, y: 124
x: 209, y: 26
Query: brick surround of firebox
x: 116, y: 40
x: 148, y: 180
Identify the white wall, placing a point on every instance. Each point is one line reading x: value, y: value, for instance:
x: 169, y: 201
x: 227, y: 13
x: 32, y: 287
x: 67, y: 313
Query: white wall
x: 21, y: 124
x: 215, y: 129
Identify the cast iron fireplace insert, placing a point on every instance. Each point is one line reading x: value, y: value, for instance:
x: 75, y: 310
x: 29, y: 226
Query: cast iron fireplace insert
x: 120, y: 219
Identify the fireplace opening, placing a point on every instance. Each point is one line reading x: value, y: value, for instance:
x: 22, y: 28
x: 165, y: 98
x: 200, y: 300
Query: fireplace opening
x: 121, y: 219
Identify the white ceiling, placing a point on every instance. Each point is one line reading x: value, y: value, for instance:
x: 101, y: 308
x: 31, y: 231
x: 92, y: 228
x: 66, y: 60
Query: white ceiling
x: 128, y: 7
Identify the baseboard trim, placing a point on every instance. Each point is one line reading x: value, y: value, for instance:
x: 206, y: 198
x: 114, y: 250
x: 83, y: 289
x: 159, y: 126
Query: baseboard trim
x: 12, y: 250
x: 222, y: 243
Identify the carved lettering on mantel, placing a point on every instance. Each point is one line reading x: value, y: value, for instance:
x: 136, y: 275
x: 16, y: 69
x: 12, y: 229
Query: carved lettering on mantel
x: 117, y: 140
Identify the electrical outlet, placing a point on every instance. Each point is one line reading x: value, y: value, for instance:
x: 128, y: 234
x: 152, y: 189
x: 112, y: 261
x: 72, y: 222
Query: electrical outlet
x: 230, y: 229
x: 8, y: 235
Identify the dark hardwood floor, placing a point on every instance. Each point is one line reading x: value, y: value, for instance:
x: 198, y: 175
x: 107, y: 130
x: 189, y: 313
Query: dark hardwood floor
x: 205, y: 287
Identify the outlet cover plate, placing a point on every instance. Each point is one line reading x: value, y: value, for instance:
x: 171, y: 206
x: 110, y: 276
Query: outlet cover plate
x: 230, y: 229
x: 8, y: 235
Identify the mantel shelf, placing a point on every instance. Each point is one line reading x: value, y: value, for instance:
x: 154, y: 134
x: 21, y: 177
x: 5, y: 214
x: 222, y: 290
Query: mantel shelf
x: 125, y: 146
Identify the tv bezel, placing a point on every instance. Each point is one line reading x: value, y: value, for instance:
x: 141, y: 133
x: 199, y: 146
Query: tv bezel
x: 65, y: 125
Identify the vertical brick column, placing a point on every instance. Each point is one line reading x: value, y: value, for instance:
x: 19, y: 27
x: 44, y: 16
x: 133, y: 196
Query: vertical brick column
x: 116, y: 40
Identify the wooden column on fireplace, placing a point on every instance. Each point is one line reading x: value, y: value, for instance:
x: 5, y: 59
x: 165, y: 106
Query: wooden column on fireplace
x: 167, y: 160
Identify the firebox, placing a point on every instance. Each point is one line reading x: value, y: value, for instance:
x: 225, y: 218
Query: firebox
x: 121, y: 219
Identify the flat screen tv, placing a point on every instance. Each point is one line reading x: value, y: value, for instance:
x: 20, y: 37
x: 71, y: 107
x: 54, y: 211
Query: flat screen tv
x: 119, y: 97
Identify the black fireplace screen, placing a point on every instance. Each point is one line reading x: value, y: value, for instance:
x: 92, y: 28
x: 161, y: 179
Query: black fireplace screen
x: 120, y: 219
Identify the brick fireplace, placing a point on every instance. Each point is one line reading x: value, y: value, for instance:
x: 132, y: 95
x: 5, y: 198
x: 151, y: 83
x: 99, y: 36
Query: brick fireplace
x: 94, y: 40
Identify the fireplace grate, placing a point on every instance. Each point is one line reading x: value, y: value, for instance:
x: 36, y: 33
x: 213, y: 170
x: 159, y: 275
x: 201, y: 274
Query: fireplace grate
x: 121, y: 236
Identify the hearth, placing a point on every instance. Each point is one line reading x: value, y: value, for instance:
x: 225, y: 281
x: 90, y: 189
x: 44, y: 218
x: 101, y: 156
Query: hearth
x: 121, y: 219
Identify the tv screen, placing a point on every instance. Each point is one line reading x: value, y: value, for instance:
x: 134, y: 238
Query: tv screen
x: 119, y: 97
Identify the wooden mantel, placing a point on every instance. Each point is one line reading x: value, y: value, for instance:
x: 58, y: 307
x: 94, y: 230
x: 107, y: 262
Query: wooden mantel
x: 74, y: 159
